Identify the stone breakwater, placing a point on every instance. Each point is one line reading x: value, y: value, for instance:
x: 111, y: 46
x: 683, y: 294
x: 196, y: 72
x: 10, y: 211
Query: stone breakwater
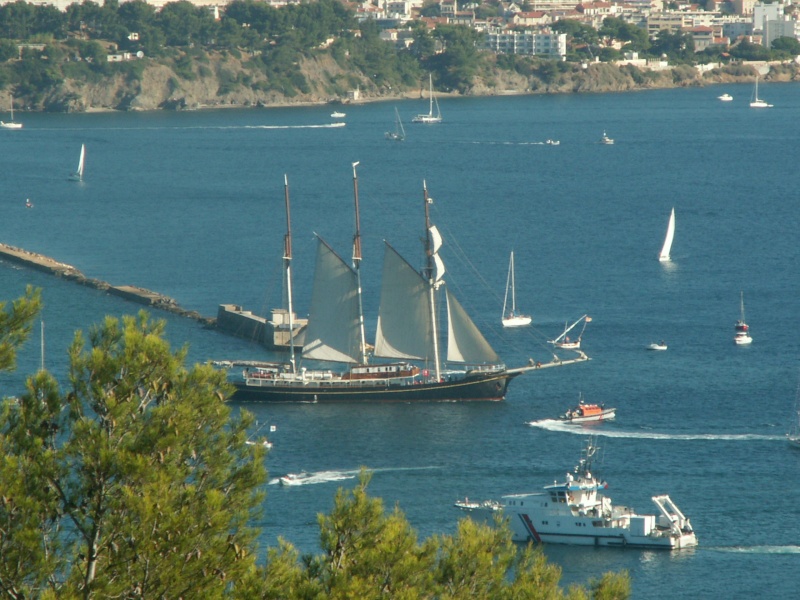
x: 128, y: 292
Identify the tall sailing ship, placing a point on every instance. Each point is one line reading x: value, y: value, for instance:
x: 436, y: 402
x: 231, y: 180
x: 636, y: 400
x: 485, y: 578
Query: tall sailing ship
x: 407, y: 332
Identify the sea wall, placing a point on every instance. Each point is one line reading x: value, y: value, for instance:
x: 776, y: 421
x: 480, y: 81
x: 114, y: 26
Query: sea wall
x: 131, y: 293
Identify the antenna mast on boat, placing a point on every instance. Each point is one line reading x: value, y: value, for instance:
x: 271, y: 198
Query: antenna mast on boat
x: 287, y: 262
x: 430, y: 275
x: 357, y: 267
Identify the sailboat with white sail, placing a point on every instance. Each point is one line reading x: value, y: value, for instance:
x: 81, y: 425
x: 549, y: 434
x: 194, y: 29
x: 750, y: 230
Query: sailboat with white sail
x: 564, y: 342
x: 756, y: 101
x: 399, y: 133
x: 407, y: 331
x: 430, y: 117
x: 78, y: 174
x: 793, y: 437
x: 667, y: 247
x: 742, y: 335
x: 512, y: 318
x: 11, y: 124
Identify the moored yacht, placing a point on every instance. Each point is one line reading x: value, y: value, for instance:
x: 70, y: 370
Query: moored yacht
x: 742, y: 329
x: 577, y: 512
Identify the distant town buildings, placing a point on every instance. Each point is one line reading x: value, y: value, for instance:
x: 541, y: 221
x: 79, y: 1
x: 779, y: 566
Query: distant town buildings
x: 527, y: 28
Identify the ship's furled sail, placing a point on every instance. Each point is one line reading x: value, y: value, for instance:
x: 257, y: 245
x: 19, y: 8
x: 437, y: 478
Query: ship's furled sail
x: 436, y: 243
x: 465, y: 343
x: 404, y: 327
x: 333, y: 327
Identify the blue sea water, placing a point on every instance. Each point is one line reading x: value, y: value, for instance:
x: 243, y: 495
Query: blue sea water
x: 191, y: 205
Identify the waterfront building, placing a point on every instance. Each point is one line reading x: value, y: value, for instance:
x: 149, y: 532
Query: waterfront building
x: 529, y: 43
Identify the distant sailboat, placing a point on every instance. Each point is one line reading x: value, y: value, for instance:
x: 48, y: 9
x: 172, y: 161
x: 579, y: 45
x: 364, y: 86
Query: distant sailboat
x: 742, y: 336
x: 564, y: 342
x: 758, y: 102
x: 512, y: 319
x: 665, y: 250
x: 399, y: 133
x: 430, y: 117
x: 78, y: 174
x: 11, y: 124
x: 793, y: 437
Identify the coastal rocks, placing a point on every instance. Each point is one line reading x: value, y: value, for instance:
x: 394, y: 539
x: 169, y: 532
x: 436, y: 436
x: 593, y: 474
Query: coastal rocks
x: 232, y: 79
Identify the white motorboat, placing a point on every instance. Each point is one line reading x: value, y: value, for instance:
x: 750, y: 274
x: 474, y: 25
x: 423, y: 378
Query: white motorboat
x: 657, y: 346
x: 512, y: 318
x: 578, y: 512
x: 667, y: 247
x: 588, y: 413
x: 430, y: 117
x: 606, y: 140
x: 338, y: 115
x: 295, y: 478
x: 262, y: 442
x: 725, y: 98
x: 469, y: 505
x: 742, y: 329
x: 756, y: 101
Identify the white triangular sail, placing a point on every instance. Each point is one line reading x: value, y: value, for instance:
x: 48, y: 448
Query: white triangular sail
x: 78, y: 174
x: 404, y: 324
x: 465, y: 343
x: 333, y: 332
x: 81, y: 161
x: 665, y: 250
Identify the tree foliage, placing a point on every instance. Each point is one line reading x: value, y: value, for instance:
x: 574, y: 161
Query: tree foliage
x: 135, y: 482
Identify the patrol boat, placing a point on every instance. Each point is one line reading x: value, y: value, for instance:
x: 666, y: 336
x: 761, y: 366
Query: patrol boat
x: 577, y: 511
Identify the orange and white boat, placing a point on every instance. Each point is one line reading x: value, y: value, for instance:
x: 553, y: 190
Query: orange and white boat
x: 585, y: 413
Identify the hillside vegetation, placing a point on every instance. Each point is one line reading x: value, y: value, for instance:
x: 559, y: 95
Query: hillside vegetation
x: 255, y: 55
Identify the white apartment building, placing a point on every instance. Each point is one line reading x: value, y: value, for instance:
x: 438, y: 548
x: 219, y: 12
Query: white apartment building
x: 528, y: 43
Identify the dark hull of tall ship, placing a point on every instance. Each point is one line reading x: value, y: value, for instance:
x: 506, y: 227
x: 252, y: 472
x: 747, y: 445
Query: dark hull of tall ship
x: 480, y: 387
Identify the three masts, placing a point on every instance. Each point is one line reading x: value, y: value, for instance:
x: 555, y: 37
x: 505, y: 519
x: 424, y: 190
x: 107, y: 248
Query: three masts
x: 408, y: 330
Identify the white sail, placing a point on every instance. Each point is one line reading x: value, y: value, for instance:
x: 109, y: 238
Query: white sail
x: 81, y: 160
x: 512, y: 319
x: 404, y: 327
x: 436, y: 239
x: 78, y: 174
x: 333, y: 332
x: 430, y: 117
x: 465, y: 343
x: 665, y: 250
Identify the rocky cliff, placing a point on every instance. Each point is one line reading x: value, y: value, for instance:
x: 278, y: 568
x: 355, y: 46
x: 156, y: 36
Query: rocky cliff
x: 224, y: 79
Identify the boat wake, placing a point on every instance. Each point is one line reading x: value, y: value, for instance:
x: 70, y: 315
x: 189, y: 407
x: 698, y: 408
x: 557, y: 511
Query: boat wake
x: 578, y: 429
x: 312, y: 126
x: 324, y: 126
x: 760, y: 549
x: 305, y: 478
x: 504, y: 143
x: 295, y: 479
